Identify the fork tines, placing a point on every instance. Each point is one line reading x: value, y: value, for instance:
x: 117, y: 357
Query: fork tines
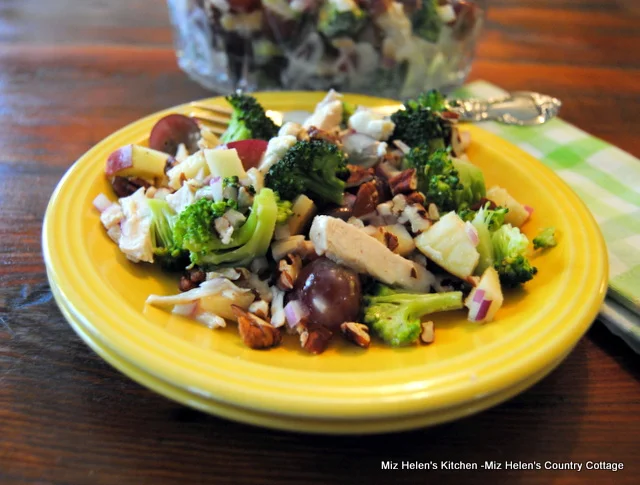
x: 216, y: 118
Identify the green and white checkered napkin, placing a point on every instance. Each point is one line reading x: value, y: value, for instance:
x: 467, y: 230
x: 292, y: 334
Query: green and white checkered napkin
x: 608, y: 181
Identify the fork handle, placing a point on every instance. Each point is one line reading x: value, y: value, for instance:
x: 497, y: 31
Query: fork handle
x: 522, y: 108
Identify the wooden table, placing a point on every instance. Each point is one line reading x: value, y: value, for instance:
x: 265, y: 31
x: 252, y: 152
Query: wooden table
x: 73, y: 71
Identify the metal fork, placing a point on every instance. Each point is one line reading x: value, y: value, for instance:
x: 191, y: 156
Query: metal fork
x: 217, y: 118
x: 522, y: 108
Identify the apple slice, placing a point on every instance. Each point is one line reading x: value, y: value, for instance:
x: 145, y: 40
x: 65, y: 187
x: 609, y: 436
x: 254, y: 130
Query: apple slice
x: 249, y: 151
x: 448, y: 244
x: 224, y: 163
x: 136, y: 161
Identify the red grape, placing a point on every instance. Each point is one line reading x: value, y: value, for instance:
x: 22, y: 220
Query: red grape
x: 330, y: 292
x: 173, y: 129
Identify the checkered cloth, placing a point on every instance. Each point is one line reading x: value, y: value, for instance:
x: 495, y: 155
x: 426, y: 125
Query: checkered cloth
x: 608, y: 181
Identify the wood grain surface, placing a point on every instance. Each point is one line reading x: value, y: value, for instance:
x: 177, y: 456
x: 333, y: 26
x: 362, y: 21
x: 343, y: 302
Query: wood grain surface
x: 73, y: 71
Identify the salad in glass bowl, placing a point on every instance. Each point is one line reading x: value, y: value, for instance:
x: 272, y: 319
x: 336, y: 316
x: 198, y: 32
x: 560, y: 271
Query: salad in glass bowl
x: 351, y: 223
x: 379, y: 47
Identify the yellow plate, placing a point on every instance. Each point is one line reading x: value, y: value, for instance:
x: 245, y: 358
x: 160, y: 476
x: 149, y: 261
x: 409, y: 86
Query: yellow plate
x: 468, y: 368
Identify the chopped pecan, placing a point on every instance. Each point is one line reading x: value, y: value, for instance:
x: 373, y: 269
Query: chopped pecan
x: 358, y: 175
x: 391, y: 241
x: 191, y: 279
x: 315, y: 340
x: 254, y: 331
x: 404, y: 182
x: 259, y: 308
x: 386, y: 170
x: 124, y: 187
x: 289, y: 268
x: 367, y: 199
x: 316, y: 133
x: 416, y: 198
x: 434, y: 213
x: 427, y: 335
x: 357, y: 333
x: 393, y: 158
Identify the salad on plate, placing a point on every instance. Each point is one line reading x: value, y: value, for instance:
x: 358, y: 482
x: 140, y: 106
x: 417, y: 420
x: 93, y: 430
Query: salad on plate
x: 351, y: 224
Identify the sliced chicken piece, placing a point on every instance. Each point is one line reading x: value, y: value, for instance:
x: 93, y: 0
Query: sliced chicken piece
x: 348, y: 245
x: 181, y: 198
x: 276, y: 149
x: 328, y: 113
x: 372, y: 124
x: 135, y: 240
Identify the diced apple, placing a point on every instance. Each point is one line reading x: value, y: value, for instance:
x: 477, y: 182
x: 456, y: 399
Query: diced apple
x: 303, y: 211
x: 136, y: 161
x: 406, y: 245
x: 249, y: 151
x: 447, y: 243
x: 224, y: 162
x: 190, y: 168
x: 486, y: 298
x: 517, y: 214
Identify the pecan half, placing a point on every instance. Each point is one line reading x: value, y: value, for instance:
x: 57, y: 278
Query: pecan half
x: 289, y: 268
x: 358, y: 175
x: 404, y: 182
x: 254, y: 331
x: 367, y: 199
x: 357, y: 333
x: 427, y: 335
x: 315, y: 340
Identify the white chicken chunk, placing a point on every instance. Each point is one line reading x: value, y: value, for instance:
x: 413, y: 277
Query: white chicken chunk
x: 372, y: 124
x: 346, y: 244
x: 290, y: 128
x: 276, y: 149
x: 135, y: 240
x: 328, y: 113
x: 181, y: 198
x: 111, y: 218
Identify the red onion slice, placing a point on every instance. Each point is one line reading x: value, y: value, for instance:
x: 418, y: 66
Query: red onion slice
x: 472, y: 232
x: 294, y: 312
x: 216, y: 188
x: 478, y: 296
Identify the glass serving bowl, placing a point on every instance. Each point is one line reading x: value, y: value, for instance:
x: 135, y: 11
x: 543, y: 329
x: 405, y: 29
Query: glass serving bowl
x: 385, y: 48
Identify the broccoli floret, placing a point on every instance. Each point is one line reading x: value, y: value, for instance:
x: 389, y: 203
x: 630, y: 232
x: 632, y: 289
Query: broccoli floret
x: 166, y: 252
x: 395, y: 316
x: 420, y: 123
x: 473, y: 188
x: 347, y: 111
x: 426, y: 21
x: 284, y: 210
x: 486, y: 221
x: 194, y: 230
x: 248, y: 120
x: 437, y: 177
x: 509, y: 248
x: 494, y: 217
x: 334, y: 23
x: 250, y: 241
x: 316, y: 168
x: 545, y: 239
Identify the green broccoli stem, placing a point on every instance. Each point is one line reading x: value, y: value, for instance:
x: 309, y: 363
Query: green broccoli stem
x: 396, y: 317
x: 265, y: 213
